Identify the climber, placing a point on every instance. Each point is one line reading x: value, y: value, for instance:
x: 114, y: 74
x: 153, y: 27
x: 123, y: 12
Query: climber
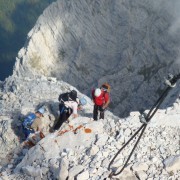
x: 33, y: 122
x: 69, y: 104
x: 101, y: 100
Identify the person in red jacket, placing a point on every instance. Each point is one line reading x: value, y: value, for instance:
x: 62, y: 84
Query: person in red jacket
x: 101, y: 101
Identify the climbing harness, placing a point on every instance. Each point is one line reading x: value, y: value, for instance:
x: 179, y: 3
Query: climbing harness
x: 145, y: 118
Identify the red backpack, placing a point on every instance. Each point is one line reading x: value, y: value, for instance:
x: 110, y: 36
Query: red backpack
x: 100, y: 100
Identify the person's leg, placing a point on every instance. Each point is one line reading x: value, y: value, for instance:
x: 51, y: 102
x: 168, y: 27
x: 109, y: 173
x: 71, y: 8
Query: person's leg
x: 61, y: 108
x: 101, y: 112
x: 60, y: 121
x: 61, y: 117
x: 68, y: 114
x: 95, y: 112
x: 27, y: 132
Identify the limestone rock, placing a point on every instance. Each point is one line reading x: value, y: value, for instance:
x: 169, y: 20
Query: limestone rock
x: 63, y: 173
x: 140, y: 167
x: 142, y: 175
x: 75, y: 171
x: 137, y: 65
x: 93, y: 150
x: 79, y: 45
x: 172, y: 163
x: 31, y: 171
x: 84, y: 175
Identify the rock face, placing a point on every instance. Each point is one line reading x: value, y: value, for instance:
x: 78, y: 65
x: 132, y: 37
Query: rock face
x: 125, y: 43
x: 83, y: 148
x: 77, y: 45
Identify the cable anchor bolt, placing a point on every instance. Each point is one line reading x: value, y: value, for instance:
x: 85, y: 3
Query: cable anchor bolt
x: 168, y: 81
x: 143, y: 118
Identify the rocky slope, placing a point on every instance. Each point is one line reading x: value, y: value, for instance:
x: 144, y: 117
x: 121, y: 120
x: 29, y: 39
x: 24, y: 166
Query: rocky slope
x: 132, y: 45
x: 80, y: 44
x: 83, y: 148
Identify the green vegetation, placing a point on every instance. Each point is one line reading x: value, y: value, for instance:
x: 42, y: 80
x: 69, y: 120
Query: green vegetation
x: 17, y: 17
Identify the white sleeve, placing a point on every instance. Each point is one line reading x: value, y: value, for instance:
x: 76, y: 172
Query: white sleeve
x: 74, y: 107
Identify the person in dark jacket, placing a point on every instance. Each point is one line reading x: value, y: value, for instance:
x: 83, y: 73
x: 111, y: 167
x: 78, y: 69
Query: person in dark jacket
x: 68, y: 106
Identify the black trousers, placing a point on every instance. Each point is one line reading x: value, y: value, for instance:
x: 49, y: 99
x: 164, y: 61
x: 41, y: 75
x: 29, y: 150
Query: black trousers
x: 96, y: 111
x: 64, y: 115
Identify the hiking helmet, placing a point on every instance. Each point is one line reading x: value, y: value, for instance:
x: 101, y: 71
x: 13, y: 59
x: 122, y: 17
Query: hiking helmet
x: 83, y: 101
x: 41, y: 110
x: 97, y: 92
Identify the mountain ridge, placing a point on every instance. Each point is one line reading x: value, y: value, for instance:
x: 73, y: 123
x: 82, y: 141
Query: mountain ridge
x: 90, y: 42
x: 74, y: 45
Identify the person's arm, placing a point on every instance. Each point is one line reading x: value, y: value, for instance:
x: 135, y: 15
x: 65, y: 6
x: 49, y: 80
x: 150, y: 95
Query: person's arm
x: 92, y: 95
x: 37, y: 124
x: 74, y: 111
x: 106, y: 104
x: 74, y: 116
x: 107, y: 101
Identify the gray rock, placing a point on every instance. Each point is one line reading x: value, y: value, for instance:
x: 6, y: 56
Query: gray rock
x: 142, y: 175
x: 44, y: 170
x: 63, y: 169
x: 84, y: 175
x: 140, y: 167
x: 31, y: 171
x: 93, y: 150
x: 172, y: 163
x: 87, y: 43
x: 75, y: 171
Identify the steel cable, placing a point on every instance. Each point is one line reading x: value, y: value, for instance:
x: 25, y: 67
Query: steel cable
x: 148, y: 117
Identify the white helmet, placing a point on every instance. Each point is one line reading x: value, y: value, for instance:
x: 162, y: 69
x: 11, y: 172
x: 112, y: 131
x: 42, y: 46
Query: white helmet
x: 97, y: 92
x: 41, y: 110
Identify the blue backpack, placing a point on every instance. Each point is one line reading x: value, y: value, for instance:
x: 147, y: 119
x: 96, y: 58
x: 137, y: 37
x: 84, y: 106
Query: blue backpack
x: 27, y: 124
x: 29, y: 120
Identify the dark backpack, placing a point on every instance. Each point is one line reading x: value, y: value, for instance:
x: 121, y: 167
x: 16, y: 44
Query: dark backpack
x: 68, y: 96
x: 73, y: 95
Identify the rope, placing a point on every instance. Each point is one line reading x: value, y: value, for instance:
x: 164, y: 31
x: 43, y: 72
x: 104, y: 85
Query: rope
x: 150, y: 114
